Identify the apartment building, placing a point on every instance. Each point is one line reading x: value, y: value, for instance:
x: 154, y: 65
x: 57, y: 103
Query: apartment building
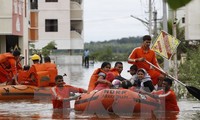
x: 13, y: 27
x: 60, y: 21
x: 40, y: 22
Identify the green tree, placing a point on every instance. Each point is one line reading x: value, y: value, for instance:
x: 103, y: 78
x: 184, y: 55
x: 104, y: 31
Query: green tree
x: 189, y: 70
x: 48, y: 48
x: 175, y: 4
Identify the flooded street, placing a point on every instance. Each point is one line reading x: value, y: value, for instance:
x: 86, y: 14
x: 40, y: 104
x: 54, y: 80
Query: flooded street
x: 78, y: 75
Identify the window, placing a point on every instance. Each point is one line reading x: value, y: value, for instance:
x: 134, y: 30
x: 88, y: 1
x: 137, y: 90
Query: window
x: 51, y: 25
x: 183, y: 19
x: 34, y: 4
x: 51, y: 0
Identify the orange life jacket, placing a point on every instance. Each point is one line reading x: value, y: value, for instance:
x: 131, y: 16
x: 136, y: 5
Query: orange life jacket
x: 39, y: 75
x: 115, y: 72
x: 53, y: 72
x: 93, y: 79
x: 5, y: 67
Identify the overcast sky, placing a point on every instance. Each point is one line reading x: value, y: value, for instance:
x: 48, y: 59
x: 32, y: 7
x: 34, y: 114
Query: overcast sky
x: 110, y: 19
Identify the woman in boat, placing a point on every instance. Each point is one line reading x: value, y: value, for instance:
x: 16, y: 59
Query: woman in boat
x: 144, y: 81
x: 104, y: 82
x: 99, y: 75
x: 61, y: 93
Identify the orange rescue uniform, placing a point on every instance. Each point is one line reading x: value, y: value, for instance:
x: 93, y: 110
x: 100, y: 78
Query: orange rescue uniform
x: 62, y: 93
x: 115, y: 72
x: 150, y: 56
x: 169, y: 102
x: 8, y: 67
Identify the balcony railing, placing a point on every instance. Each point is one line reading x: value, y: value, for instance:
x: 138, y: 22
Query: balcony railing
x: 76, y: 11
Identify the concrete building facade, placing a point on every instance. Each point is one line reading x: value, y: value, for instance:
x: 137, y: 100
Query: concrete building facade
x: 60, y: 21
x: 38, y: 22
x: 13, y: 27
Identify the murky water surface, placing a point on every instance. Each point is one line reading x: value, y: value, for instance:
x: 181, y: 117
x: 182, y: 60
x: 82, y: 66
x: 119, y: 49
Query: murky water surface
x: 79, y: 76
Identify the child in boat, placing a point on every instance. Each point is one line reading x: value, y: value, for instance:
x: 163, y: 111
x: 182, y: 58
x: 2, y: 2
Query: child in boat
x: 61, y: 93
x: 99, y: 75
x: 144, y: 81
x: 133, y: 71
x: 126, y: 84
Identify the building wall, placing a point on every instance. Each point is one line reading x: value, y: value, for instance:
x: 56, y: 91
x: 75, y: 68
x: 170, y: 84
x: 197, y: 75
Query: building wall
x: 192, y: 18
x: 63, y: 25
x: 54, y: 10
x: 5, y: 17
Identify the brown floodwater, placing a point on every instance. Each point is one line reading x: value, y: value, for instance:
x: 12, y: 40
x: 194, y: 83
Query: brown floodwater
x: 78, y: 76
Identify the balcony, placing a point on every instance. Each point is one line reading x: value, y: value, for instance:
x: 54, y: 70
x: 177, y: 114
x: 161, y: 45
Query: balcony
x: 76, y: 12
x: 75, y: 34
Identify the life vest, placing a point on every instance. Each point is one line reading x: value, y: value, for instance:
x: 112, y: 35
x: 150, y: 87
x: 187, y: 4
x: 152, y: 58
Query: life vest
x: 22, y: 76
x: 53, y: 72
x: 39, y: 74
x: 115, y: 72
x: 5, y: 67
x: 93, y: 79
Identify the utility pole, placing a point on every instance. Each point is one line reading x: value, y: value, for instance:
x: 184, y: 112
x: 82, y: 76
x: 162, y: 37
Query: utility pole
x: 150, y: 18
x: 155, y: 23
x: 166, y: 62
x: 147, y: 23
x: 175, y: 54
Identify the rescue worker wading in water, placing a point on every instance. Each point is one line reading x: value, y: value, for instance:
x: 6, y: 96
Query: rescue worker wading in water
x: 61, y: 92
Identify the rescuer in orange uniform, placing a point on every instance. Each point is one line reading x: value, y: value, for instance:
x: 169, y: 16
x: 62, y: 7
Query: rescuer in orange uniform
x: 140, y: 54
x: 8, y: 68
x: 61, y: 92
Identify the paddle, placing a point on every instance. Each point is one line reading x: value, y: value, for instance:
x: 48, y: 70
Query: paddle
x: 192, y: 90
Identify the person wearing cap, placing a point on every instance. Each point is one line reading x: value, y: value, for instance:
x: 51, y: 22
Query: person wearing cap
x: 32, y: 80
x: 133, y: 71
x: 140, y: 54
x: 35, y: 58
x: 8, y: 68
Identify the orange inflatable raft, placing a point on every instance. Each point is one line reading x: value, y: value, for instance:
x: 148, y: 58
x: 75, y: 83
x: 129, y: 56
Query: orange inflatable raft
x: 12, y: 92
x: 115, y: 100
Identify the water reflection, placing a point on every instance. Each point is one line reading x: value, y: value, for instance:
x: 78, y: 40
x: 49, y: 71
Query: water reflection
x: 78, y: 75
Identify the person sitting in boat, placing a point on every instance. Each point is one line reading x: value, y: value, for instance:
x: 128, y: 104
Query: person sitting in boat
x: 133, y: 72
x: 23, y: 75
x: 118, y: 68
x: 99, y: 75
x: 35, y: 58
x: 126, y: 84
x: 102, y: 83
x: 167, y: 96
x: 31, y: 79
x: 52, y: 68
x: 144, y: 81
x: 61, y: 93
x: 8, y: 68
